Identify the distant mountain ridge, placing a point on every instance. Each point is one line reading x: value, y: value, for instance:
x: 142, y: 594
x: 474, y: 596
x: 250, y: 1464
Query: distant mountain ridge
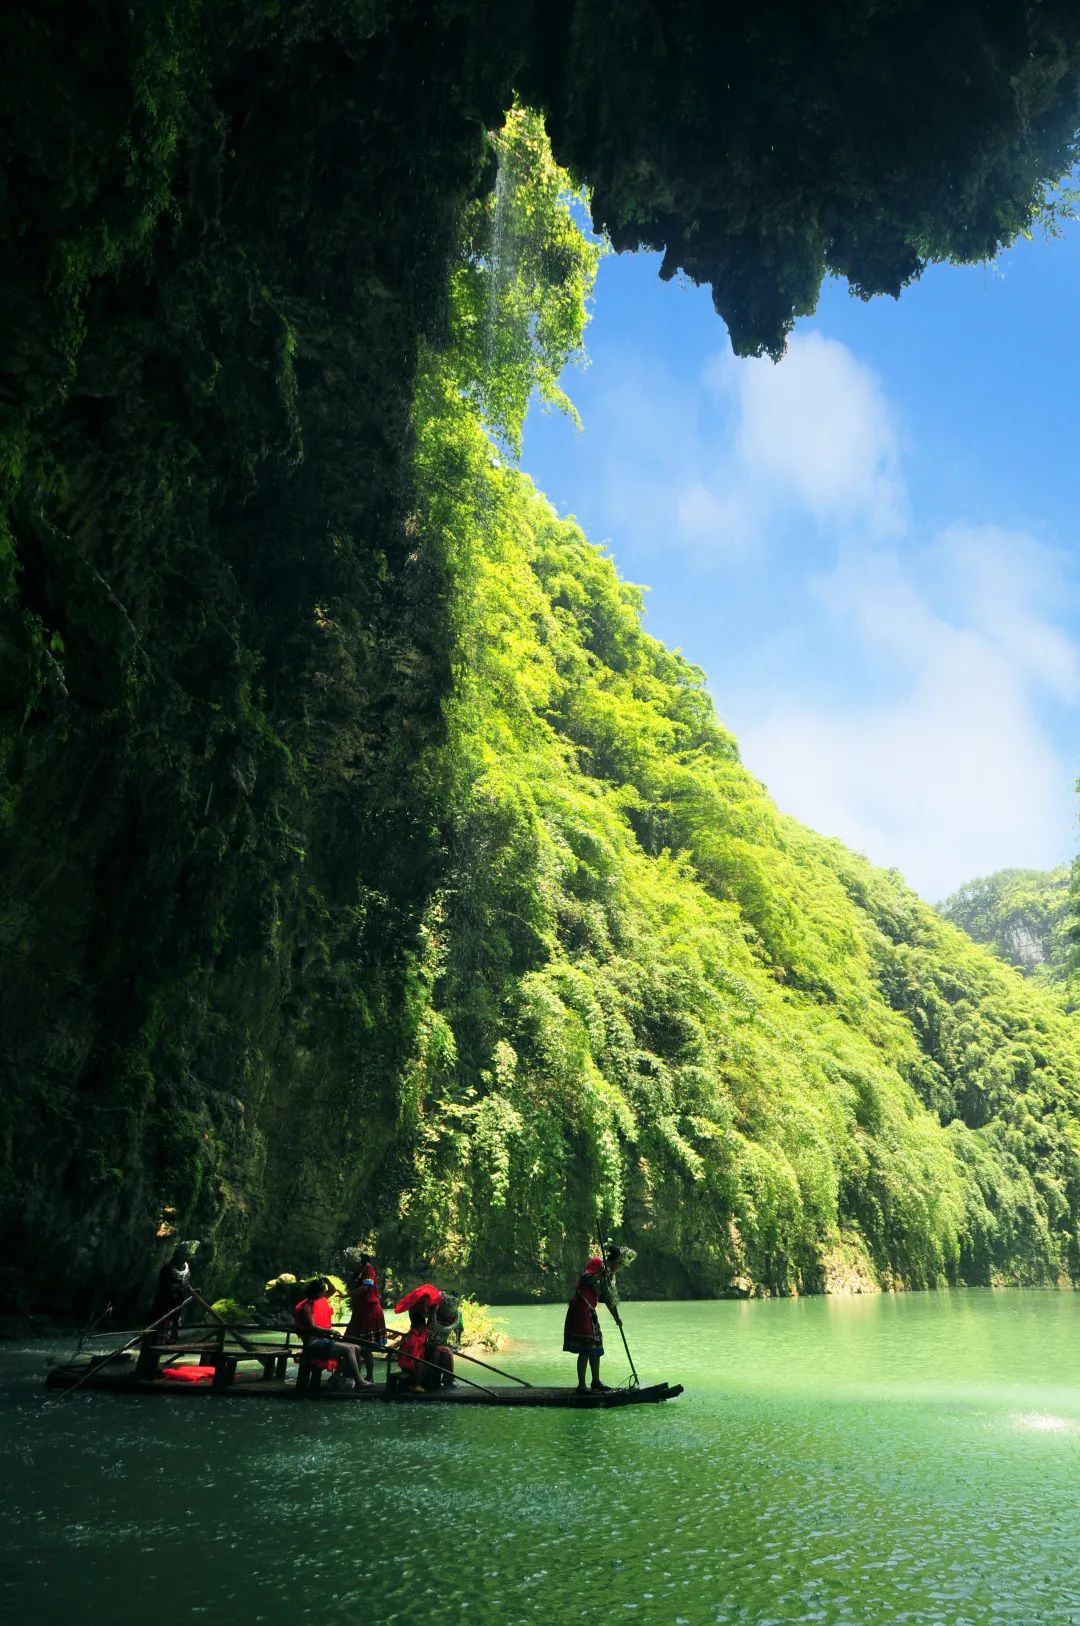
x: 1026, y: 916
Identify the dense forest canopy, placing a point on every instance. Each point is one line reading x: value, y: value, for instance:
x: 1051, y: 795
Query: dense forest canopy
x: 297, y: 852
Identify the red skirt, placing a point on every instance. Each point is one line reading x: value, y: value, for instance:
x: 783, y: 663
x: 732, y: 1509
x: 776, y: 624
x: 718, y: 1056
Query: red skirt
x: 581, y: 1329
x: 366, y: 1321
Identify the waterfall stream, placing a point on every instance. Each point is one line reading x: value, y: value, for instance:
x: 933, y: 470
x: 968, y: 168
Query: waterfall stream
x: 500, y: 251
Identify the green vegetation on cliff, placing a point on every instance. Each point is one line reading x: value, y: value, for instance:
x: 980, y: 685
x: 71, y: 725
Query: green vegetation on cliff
x: 647, y: 993
x: 291, y: 848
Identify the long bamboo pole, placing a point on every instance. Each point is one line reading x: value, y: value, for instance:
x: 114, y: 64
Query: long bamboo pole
x: 458, y: 1378
x: 458, y: 1355
x: 103, y: 1360
x: 635, y: 1381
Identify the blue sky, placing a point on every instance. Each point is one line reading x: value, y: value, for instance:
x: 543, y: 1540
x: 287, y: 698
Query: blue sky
x: 870, y: 548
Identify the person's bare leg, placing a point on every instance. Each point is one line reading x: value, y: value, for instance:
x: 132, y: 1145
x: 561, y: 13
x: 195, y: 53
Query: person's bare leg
x: 350, y: 1354
x: 582, y: 1362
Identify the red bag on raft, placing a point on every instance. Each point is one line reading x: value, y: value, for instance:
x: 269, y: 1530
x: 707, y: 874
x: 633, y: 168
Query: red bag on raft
x: 188, y: 1374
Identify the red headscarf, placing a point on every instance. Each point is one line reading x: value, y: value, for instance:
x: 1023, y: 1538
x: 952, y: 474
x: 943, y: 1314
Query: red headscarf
x: 426, y: 1293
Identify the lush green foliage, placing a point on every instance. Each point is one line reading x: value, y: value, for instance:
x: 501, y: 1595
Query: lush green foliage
x: 519, y: 293
x: 482, y: 1329
x: 222, y: 653
x: 652, y: 996
x: 646, y: 995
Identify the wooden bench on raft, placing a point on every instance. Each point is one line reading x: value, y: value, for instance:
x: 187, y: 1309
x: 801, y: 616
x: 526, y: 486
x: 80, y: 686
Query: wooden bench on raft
x: 209, y: 1349
x: 308, y: 1375
x: 224, y: 1348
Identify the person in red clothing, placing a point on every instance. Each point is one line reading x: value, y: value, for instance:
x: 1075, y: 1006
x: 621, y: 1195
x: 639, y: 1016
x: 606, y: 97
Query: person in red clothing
x: 581, y: 1331
x: 439, y: 1312
x: 367, y: 1324
x: 313, y: 1318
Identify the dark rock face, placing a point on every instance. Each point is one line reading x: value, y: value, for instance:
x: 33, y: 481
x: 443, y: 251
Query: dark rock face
x: 223, y: 656
x: 761, y: 147
x: 224, y: 652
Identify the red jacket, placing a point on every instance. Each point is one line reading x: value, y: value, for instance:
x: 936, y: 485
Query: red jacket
x: 591, y: 1286
x: 322, y: 1316
x: 365, y: 1309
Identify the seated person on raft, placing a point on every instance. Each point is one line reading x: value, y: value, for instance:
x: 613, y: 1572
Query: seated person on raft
x: 445, y: 1326
x: 412, y: 1351
x: 312, y: 1317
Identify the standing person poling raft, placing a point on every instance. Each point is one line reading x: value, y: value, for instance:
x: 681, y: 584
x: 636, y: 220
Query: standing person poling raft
x: 367, y: 1324
x: 172, y: 1292
x: 581, y: 1330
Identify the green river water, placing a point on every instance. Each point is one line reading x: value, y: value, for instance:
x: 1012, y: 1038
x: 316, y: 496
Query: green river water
x: 880, y: 1461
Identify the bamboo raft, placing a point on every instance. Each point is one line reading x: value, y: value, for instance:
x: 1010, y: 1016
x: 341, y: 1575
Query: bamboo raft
x: 255, y: 1363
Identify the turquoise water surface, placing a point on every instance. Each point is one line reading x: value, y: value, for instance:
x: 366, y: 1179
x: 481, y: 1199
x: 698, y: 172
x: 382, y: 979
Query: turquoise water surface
x: 880, y: 1460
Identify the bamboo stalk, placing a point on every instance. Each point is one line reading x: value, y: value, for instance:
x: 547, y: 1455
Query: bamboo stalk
x: 489, y: 1368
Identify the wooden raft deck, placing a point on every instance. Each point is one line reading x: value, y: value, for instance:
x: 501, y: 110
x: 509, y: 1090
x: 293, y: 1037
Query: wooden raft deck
x: 120, y: 1377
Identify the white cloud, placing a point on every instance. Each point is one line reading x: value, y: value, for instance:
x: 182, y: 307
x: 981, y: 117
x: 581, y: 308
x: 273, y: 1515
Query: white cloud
x: 655, y: 472
x: 713, y: 475
x: 903, y: 701
x: 814, y: 429
x: 951, y: 773
x: 712, y: 527
x: 698, y: 511
x: 954, y: 775
x: 1009, y: 584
